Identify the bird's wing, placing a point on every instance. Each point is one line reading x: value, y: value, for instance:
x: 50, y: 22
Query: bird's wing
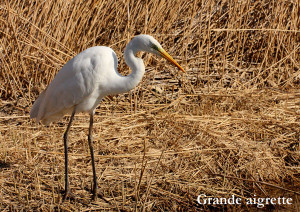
x: 75, y: 82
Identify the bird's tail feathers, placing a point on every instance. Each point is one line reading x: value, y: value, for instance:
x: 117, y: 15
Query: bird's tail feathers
x: 36, y: 106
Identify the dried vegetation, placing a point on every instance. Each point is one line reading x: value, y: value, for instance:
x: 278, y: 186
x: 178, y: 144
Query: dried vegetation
x: 230, y: 125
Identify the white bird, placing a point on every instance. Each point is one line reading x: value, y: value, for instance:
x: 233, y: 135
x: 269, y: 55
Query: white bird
x: 82, y: 83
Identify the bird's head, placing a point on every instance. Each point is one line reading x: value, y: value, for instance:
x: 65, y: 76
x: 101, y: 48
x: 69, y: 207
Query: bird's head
x: 148, y: 44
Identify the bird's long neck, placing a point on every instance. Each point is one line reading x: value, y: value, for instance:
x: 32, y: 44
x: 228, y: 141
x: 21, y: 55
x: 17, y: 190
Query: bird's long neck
x: 136, y: 65
x: 126, y: 83
x: 122, y: 84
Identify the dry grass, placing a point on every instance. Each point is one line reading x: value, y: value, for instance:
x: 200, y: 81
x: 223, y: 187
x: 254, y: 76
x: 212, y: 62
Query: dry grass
x: 228, y: 126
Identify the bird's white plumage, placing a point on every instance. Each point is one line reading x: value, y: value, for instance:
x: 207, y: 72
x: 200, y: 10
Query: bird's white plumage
x: 80, y: 82
x: 89, y: 76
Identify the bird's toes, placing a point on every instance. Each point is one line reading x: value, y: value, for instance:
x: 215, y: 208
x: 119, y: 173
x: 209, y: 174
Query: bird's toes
x: 68, y: 195
x: 95, y: 194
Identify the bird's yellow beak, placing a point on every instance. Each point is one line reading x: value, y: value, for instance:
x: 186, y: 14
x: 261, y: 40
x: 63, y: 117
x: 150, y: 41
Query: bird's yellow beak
x: 165, y: 54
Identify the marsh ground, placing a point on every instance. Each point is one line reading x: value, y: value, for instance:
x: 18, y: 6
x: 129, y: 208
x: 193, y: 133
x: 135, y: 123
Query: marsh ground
x: 229, y: 126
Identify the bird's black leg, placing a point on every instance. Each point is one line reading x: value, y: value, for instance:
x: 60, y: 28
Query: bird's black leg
x: 90, y: 140
x: 67, y: 189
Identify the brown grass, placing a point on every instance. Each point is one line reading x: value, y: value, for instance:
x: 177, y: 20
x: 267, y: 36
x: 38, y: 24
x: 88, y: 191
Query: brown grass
x: 230, y: 125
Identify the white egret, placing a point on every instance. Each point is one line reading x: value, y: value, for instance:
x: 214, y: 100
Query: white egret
x: 84, y: 80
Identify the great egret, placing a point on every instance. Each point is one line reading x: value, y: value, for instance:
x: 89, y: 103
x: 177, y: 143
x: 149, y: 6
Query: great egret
x: 84, y: 80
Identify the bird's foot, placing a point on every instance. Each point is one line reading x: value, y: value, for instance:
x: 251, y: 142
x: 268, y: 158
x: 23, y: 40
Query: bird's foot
x: 95, y: 193
x: 68, y: 194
